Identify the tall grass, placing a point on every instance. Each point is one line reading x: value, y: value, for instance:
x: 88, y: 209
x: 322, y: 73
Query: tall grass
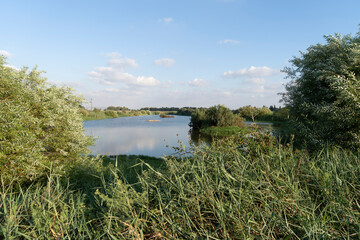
x: 249, y: 188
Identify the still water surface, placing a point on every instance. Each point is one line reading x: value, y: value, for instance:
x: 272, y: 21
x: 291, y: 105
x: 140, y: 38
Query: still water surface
x: 134, y: 135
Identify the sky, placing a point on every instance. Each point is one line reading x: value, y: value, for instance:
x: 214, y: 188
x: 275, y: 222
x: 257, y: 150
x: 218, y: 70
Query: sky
x: 169, y: 53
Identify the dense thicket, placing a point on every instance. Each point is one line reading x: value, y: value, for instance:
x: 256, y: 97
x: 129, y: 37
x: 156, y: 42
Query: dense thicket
x: 40, y: 125
x: 216, y: 116
x: 254, y: 113
x: 323, y: 96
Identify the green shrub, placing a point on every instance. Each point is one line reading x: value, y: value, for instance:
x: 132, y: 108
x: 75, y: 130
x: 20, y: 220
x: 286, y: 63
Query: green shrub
x: 111, y: 113
x: 40, y: 125
x: 84, y: 112
x: 323, y: 95
x: 217, y: 116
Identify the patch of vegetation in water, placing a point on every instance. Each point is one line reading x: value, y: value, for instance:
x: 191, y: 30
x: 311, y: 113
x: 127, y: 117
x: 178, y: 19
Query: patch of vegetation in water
x: 224, y: 131
x: 164, y: 115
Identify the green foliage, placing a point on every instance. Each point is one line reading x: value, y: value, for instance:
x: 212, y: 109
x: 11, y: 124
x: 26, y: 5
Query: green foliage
x: 217, y: 116
x: 111, y: 113
x: 40, y: 125
x: 254, y: 113
x: 323, y: 95
x: 223, y: 131
x: 245, y: 188
x: 197, y: 119
x: 84, y: 112
x: 117, y: 108
x: 165, y: 115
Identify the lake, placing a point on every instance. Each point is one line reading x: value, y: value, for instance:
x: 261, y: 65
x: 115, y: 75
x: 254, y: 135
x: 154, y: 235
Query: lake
x: 135, y: 135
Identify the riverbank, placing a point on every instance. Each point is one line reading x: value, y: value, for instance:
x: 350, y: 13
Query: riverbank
x: 224, y: 131
x: 99, y: 114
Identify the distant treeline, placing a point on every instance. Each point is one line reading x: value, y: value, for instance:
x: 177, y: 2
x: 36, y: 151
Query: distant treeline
x: 166, y: 109
x: 250, y: 113
x: 117, y: 108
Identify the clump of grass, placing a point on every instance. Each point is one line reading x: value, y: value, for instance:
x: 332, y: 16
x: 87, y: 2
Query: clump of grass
x: 165, y: 115
x: 43, y: 211
x: 224, y: 131
x: 267, y: 191
x: 237, y: 188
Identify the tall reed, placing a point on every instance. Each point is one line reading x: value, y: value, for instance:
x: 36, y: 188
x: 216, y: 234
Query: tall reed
x: 248, y: 188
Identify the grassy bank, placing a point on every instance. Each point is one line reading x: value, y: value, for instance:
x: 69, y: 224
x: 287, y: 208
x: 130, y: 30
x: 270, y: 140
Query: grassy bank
x: 224, y: 131
x: 250, y: 188
x: 99, y: 114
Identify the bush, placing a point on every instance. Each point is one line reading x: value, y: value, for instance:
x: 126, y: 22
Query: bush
x: 323, y: 95
x: 84, y: 112
x: 255, y: 113
x: 197, y: 119
x: 40, y: 125
x: 217, y: 116
x: 111, y: 113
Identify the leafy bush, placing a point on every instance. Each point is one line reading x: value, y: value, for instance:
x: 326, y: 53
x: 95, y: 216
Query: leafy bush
x: 84, y: 112
x: 254, y: 113
x: 111, y: 113
x: 323, y: 95
x: 197, y: 119
x: 40, y: 125
x: 217, y: 116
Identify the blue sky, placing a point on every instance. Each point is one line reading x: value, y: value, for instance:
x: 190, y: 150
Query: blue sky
x: 140, y: 53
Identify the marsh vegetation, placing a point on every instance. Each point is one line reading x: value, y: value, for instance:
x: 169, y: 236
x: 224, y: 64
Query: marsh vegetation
x: 246, y: 186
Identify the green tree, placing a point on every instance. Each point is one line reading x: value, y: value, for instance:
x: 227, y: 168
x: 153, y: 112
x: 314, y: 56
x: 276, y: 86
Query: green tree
x: 323, y: 96
x: 40, y: 125
x: 219, y: 115
x: 111, y: 113
x: 197, y: 119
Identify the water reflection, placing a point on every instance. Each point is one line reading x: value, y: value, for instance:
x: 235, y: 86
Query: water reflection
x: 135, y: 135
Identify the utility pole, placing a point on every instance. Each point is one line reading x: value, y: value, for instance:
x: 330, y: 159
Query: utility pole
x: 91, y: 108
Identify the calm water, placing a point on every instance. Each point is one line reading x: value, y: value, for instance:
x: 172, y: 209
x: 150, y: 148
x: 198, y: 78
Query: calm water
x: 134, y: 135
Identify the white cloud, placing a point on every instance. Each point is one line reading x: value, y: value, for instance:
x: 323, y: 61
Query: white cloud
x: 164, y: 62
x: 226, y: 41
x: 5, y: 53
x: 123, y: 63
x: 258, y: 89
x: 198, y: 82
x: 255, y: 72
x: 254, y: 80
x: 166, y: 20
x: 146, y: 81
x: 115, y: 73
x: 112, y: 90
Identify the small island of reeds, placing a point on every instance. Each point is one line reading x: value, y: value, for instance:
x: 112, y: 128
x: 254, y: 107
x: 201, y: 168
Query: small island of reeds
x: 164, y: 115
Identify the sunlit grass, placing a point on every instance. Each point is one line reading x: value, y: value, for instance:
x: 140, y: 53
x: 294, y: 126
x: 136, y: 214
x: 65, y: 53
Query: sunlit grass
x: 249, y: 188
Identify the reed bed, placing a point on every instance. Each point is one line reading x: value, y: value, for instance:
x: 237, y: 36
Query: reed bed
x: 248, y: 188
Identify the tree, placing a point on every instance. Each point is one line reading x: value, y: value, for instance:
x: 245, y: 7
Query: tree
x: 217, y: 116
x: 323, y: 96
x: 197, y: 119
x: 40, y: 125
